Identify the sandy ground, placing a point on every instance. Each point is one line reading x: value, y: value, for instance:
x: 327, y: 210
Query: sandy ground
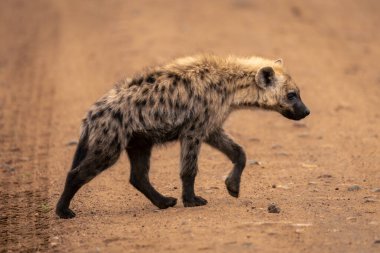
x: 58, y: 57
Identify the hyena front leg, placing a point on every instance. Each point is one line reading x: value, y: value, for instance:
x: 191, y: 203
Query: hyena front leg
x: 139, y: 152
x: 220, y: 140
x: 189, y: 158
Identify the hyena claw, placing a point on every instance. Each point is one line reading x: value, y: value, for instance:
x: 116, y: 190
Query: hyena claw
x: 167, y: 202
x: 233, y: 186
x: 195, y: 201
x: 65, y: 213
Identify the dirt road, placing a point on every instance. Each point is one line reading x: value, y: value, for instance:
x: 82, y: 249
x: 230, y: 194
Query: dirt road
x: 58, y: 57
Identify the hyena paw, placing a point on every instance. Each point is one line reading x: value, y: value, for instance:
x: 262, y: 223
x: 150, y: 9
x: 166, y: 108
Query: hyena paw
x: 233, y: 186
x: 195, y: 201
x: 167, y: 202
x: 65, y: 213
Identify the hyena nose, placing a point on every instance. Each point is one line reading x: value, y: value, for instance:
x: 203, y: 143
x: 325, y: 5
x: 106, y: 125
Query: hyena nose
x: 306, y: 112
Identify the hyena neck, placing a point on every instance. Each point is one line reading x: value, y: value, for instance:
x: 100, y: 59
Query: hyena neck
x: 236, y: 74
x: 241, y: 80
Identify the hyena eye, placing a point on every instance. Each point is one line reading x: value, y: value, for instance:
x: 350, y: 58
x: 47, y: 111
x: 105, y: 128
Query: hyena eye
x: 292, y: 95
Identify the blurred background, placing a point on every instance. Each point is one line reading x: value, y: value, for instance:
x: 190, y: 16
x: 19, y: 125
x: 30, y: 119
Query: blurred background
x: 58, y: 57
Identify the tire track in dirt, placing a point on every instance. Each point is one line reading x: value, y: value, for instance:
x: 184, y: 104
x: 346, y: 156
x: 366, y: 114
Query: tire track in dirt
x: 26, y: 111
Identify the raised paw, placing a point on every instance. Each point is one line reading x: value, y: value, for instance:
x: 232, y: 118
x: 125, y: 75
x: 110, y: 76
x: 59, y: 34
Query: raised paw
x: 166, y: 202
x: 65, y: 213
x: 195, y: 201
x: 233, y: 186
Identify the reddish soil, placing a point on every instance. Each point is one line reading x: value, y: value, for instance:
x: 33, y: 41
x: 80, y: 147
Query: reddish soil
x: 58, y: 57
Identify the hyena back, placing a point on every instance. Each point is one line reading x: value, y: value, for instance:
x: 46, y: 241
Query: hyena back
x: 187, y: 100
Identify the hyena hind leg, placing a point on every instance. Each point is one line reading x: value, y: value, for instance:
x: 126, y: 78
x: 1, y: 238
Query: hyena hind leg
x: 96, y: 160
x: 222, y: 142
x: 139, y: 153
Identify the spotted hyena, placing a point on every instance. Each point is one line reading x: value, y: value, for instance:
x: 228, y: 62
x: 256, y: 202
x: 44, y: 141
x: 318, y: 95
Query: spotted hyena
x: 187, y: 100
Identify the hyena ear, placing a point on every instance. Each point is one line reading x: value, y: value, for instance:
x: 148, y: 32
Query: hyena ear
x: 279, y: 61
x: 265, y: 77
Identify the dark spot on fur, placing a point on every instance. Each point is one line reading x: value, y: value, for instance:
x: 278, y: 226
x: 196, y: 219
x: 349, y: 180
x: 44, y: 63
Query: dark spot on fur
x: 98, y: 152
x: 177, y: 105
x: 144, y: 91
x: 223, y: 99
x: 98, y: 114
x: 151, y: 101
x: 170, y: 103
x: 105, y: 130
x: 99, y: 103
x: 183, y: 107
x: 206, y: 113
x: 162, y: 100
x: 115, y: 142
x: 118, y: 116
x: 175, y: 77
x: 156, y: 116
x: 163, y: 88
x: 150, y: 79
x: 156, y: 88
x: 171, y: 89
x: 202, y: 75
x: 136, y: 81
x: 186, y: 81
x: 141, y: 118
x: 141, y: 103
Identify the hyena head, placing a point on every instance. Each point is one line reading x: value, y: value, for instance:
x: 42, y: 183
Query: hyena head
x: 278, y: 92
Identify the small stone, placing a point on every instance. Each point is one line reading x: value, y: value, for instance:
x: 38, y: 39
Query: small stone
x: 273, y: 208
x: 7, y: 168
x: 253, y: 162
x: 299, y: 125
x: 285, y: 187
x: 281, y: 154
x: 369, y: 200
x: 309, y: 166
x: 325, y: 176
x: 353, y: 188
x: 351, y: 218
x: 274, y: 186
x: 276, y: 146
x: 337, y: 188
x: 72, y: 143
x: 376, y: 190
x: 376, y: 242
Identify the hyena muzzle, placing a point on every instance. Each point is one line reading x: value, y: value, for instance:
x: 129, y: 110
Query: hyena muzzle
x: 187, y: 100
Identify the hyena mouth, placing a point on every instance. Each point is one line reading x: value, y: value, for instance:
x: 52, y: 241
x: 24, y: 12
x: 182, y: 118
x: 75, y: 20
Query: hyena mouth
x: 295, y: 116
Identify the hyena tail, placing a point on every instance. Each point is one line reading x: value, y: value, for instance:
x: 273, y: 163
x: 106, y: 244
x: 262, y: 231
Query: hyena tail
x: 82, y: 148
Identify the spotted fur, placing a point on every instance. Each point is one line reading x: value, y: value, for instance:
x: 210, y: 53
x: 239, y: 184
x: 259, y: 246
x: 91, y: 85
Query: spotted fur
x: 187, y: 100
